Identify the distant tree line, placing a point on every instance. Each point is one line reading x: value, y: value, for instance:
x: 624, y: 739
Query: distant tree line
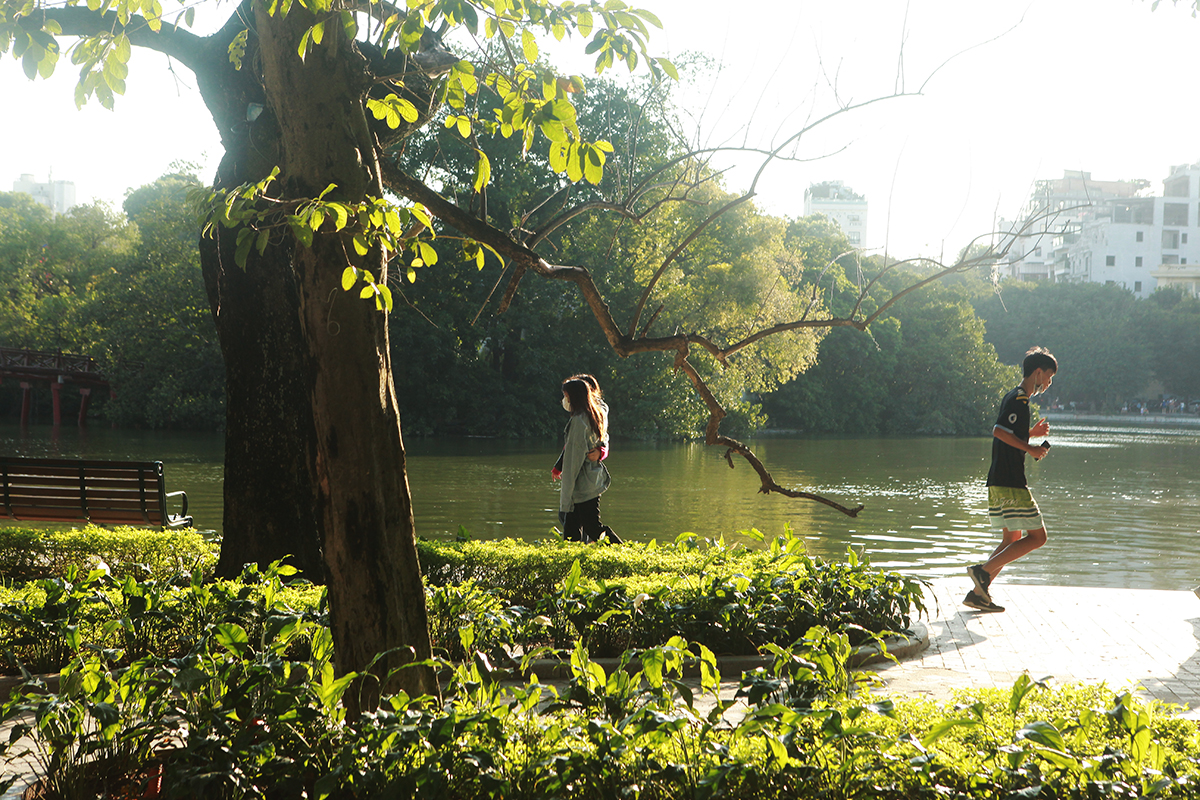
x: 127, y: 290
x: 123, y: 289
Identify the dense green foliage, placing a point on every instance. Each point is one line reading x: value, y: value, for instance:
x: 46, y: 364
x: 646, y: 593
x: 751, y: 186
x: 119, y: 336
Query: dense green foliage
x: 252, y: 709
x: 462, y: 368
x: 1112, y: 347
x: 125, y: 291
x: 28, y: 554
x: 925, y: 368
x: 153, y: 599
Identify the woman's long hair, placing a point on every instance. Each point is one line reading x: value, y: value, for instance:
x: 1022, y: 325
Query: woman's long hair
x: 585, y: 401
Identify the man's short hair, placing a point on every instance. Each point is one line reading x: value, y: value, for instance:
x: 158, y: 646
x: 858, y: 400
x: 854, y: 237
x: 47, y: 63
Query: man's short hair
x: 1038, y: 358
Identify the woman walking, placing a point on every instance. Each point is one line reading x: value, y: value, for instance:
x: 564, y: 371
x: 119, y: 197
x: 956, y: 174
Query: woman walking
x: 584, y: 476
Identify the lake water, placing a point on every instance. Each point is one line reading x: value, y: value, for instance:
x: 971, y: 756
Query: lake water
x: 1121, y: 502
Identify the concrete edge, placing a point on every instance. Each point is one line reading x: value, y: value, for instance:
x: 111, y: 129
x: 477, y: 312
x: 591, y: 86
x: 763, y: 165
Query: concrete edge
x: 905, y: 645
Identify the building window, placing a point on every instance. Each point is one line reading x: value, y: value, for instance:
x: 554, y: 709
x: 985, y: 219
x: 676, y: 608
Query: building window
x: 1110, y: 261
x: 1175, y: 213
x: 1140, y: 237
x: 1137, y: 286
x: 1170, y: 240
x: 1109, y: 283
x: 853, y: 235
x: 1137, y: 261
x: 1183, y: 260
x: 1183, y: 238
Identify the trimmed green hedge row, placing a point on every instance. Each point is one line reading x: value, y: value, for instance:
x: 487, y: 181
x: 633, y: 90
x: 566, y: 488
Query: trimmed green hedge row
x: 27, y: 554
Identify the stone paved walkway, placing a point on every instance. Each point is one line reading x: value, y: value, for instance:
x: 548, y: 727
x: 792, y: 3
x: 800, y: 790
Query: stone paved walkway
x: 1119, y: 636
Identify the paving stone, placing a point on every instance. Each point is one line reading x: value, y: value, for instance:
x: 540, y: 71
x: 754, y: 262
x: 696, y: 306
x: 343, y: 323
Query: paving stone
x: 1115, y: 636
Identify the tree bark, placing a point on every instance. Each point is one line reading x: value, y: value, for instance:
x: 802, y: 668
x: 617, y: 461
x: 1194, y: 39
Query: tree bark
x: 357, y: 470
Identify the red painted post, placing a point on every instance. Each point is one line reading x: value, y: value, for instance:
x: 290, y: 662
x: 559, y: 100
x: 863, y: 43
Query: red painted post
x: 26, y: 402
x: 56, y: 401
x: 85, y: 396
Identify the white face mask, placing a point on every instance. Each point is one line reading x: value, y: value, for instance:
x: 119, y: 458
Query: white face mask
x: 566, y: 403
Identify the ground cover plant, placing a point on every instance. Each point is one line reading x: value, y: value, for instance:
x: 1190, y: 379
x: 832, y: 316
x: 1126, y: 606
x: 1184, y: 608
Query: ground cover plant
x: 516, y: 597
x: 227, y: 690
x: 243, y: 713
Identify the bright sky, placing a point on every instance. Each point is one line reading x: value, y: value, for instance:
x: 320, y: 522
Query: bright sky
x: 1105, y: 86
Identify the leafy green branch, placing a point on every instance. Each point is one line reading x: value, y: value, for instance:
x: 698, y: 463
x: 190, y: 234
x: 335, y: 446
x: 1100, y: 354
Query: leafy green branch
x: 257, y: 217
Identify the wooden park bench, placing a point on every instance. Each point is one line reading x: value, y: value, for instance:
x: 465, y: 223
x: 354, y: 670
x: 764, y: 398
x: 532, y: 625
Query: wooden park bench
x: 101, y: 492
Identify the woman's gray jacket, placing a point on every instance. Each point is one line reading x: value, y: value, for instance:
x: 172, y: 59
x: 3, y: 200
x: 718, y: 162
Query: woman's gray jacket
x: 581, y: 479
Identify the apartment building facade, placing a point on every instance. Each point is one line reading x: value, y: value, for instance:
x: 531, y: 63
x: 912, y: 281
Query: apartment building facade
x: 58, y: 196
x: 841, y: 204
x: 1116, y: 234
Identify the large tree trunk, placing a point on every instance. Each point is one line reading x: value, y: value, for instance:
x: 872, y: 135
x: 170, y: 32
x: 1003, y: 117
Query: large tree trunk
x: 357, y: 469
x: 270, y: 508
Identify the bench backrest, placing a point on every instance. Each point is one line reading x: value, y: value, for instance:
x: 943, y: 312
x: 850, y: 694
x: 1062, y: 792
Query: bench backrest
x: 69, y: 490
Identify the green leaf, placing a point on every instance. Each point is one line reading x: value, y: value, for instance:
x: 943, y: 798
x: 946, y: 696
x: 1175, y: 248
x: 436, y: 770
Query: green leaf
x: 360, y: 244
x: 646, y: 15
x: 1021, y: 687
x: 483, y: 171
x: 232, y: 637
x: 1044, y: 733
x: 584, y: 22
x: 428, y: 254
x: 529, y: 46
x: 668, y: 68
x: 341, y: 214
x: 386, y: 294
x: 349, y: 278
x: 367, y: 291
x: 318, y: 32
x: 558, y: 157
x: 574, y: 164
x: 945, y: 726
x: 572, y: 579
x: 422, y: 215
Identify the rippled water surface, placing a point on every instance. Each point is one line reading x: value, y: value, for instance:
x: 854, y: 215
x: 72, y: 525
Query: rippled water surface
x: 1122, y: 504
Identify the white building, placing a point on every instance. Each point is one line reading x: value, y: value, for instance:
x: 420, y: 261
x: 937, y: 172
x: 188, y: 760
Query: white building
x: 1084, y: 231
x: 1052, y: 218
x: 58, y: 196
x: 1130, y: 243
x: 841, y: 204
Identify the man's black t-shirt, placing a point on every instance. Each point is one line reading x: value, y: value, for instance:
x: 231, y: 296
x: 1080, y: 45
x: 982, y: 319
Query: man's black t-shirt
x: 1008, y: 463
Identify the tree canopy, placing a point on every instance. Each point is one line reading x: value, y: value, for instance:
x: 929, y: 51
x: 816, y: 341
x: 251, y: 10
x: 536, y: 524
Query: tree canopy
x: 315, y: 100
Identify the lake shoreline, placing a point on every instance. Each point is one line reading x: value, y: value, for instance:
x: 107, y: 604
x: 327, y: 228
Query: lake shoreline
x: 1147, y: 420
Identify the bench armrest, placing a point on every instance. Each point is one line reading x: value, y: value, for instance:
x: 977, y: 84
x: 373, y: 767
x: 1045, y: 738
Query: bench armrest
x: 180, y: 520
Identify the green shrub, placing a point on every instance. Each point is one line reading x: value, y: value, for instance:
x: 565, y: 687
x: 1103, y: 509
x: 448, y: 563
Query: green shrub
x: 528, y: 571
x: 28, y: 554
x: 249, y: 716
x: 48, y: 622
x: 731, y: 599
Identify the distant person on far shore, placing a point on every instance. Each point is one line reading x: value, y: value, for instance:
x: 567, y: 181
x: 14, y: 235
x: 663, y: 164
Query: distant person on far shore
x: 1010, y: 505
